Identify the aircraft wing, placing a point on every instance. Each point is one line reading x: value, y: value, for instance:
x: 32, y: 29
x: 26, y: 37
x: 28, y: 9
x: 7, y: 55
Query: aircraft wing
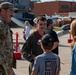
x: 18, y: 22
x: 62, y: 32
x: 65, y: 30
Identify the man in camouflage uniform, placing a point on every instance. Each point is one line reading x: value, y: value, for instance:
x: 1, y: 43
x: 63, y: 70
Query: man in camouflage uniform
x: 6, y: 40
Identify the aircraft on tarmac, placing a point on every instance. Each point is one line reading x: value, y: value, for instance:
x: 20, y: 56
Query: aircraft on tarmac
x: 65, y: 30
x: 15, y: 23
x: 23, y: 10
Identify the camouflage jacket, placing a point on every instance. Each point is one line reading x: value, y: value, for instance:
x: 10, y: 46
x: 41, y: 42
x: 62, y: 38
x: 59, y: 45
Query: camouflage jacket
x: 6, y: 45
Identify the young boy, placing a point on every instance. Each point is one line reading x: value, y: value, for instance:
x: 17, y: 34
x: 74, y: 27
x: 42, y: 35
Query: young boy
x: 47, y: 63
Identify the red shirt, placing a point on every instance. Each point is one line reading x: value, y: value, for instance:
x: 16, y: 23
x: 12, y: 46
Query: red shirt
x: 39, y: 36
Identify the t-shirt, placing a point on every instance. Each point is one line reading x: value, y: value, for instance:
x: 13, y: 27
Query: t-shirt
x: 27, y: 31
x: 46, y: 64
x: 55, y: 37
x: 73, y: 66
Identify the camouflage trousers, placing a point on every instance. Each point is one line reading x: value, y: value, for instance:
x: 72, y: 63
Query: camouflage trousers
x: 6, y: 59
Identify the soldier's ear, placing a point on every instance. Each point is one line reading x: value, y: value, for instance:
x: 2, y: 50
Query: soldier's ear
x: 3, y: 11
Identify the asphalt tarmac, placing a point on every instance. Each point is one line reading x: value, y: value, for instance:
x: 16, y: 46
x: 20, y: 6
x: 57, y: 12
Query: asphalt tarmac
x: 64, y: 54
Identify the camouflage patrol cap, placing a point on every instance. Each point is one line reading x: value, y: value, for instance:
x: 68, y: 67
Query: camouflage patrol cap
x: 7, y: 5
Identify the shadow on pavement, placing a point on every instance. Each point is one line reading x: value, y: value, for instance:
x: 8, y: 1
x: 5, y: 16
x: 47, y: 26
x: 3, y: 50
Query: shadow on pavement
x: 63, y: 45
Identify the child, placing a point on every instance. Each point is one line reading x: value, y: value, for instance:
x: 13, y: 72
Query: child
x: 47, y: 63
x: 73, y: 47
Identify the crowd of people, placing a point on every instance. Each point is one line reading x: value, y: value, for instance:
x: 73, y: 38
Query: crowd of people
x: 40, y: 49
x: 33, y: 48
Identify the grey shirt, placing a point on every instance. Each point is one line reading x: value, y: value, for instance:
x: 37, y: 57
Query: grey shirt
x: 46, y: 64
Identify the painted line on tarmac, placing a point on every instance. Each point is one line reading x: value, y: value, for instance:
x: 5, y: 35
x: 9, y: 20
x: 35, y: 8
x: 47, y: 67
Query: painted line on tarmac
x: 67, y: 65
x: 19, y: 42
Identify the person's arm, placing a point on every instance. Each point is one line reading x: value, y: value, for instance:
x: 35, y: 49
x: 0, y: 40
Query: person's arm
x: 56, y: 40
x: 2, y: 29
x: 55, y: 45
x: 58, y: 72
x: 36, y: 66
x: 27, y: 50
x: 34, y: 73
x: 2, y: 33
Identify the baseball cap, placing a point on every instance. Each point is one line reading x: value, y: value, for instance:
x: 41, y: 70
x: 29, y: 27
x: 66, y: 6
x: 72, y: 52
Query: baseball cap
x: 7, y: 5
x: 49, y: 21
x: 47, y: 40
